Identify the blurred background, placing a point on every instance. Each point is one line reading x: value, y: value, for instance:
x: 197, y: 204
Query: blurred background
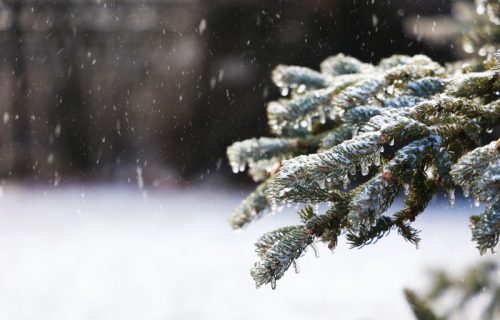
x: 115, y: 189
x: 93, y: 89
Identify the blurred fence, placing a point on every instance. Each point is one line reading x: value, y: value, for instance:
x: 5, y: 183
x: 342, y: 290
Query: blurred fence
x: 99, y: 88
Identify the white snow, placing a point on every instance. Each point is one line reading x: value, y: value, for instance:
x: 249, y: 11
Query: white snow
x: 81, y: 252
x: 203, y: 26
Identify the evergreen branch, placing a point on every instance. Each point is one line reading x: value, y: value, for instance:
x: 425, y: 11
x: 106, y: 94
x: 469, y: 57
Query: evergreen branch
x: 443, y: 162
x: 441, y: 282
x: 479, y: 172
x: 340, y: 119
x: 240, y: 153
x: 371, y: 200
x: 306, y: 214
x: 445, y: 106
x: 395, y: 123
x: 402, y: 101
x: 486, y: 228
x: 493, y: 308
x: 264, y: 155
x: 298, y: 176
x: 416, y: 67
x: 340, y: 64
x: 286, y: 77
x: 393, y: 61
x: 419, y: 194
x: 366, y: 236
x: 304, y: 172
x: 336, y: 136
x: 300, y: 111
x: 359, y: 115
x: 260, y: 170
x: 250, y: 208
x: 358, y: 93
x: 420, y: 307
x: 409, y: 233
x: 266, y: 242
x: 478, y: 282
x: 278, y: 250
x: 425, y: 87
x: 490, y: 114
x: 330, y: 225
x: 474, y: 84
x: 374, y: 197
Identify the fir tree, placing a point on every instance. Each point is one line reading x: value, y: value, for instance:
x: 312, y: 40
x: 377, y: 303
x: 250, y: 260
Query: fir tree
x: 356, y: 135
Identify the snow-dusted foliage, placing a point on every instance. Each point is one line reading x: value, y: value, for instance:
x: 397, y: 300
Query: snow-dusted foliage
x: 404, y: 126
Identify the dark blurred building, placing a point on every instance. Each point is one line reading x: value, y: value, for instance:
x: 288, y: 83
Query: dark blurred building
x: 96, y: 89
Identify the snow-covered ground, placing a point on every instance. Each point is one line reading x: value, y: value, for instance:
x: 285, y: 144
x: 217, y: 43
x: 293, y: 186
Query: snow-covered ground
x: 103, y: 252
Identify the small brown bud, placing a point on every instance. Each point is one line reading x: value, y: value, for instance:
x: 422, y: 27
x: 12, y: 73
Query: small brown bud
x: 388, y: 176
